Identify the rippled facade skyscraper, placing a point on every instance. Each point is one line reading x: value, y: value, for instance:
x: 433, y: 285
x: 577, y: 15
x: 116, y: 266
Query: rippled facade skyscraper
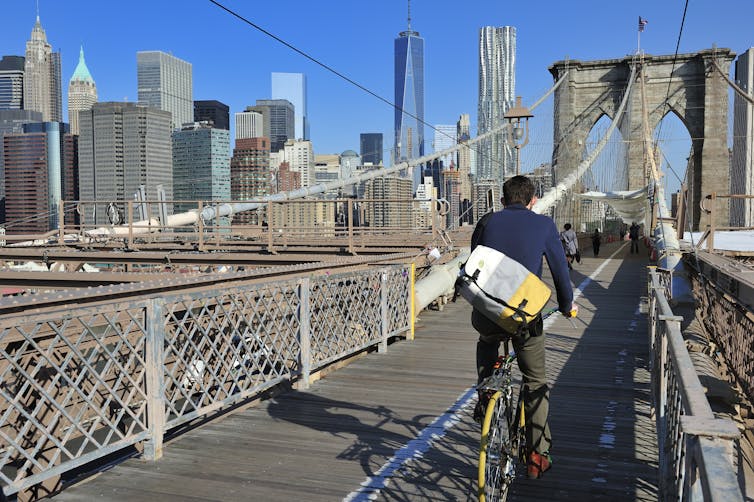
x: 497, y: 88
x: 409, y: 97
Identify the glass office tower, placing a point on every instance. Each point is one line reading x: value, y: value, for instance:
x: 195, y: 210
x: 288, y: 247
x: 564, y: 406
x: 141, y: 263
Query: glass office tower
x: 292, y: 86
x: 409, y: 97
x: 166, y: 82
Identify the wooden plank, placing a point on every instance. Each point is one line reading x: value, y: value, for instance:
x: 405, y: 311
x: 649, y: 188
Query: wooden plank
x: 323, y: 443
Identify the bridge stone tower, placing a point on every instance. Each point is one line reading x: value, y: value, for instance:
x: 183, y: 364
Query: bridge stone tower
x: 695, y: 92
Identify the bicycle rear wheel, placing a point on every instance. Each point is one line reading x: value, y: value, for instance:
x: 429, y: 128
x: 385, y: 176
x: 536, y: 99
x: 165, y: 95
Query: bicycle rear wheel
x: 497, y: 460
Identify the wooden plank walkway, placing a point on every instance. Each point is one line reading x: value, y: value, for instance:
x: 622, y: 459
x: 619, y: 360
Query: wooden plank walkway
x: 369, y: 425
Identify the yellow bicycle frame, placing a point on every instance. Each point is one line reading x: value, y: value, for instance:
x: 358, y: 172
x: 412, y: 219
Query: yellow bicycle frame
x: 485, y: 440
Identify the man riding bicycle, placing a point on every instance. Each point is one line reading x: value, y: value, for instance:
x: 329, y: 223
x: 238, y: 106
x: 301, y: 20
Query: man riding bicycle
x: 524, y: 236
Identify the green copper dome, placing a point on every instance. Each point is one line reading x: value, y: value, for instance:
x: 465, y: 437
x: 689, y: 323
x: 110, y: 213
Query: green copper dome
x: 82, y: 72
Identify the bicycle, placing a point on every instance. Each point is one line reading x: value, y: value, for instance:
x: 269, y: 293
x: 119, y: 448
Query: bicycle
x: 503, y: 433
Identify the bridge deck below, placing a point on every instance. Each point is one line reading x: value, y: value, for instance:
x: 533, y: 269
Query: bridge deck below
x: 400, y: 422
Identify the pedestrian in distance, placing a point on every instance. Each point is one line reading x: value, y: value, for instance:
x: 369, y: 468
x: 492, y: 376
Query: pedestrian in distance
x: 570, y: 245
x: 525, y: 236
x: 633, y: 234
x: 596, y: 241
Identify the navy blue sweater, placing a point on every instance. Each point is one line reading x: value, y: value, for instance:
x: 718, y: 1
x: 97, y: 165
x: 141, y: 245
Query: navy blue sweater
x: 525, y: 236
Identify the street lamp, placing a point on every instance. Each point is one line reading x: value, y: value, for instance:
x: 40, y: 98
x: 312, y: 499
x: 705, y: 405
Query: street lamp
x: 518, y: 134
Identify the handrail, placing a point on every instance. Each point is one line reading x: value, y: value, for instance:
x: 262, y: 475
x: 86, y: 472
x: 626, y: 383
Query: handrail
x: 695, y: 462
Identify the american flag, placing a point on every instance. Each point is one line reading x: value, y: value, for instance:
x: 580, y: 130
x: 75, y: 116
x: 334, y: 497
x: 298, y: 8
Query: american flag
x: 642, y: 23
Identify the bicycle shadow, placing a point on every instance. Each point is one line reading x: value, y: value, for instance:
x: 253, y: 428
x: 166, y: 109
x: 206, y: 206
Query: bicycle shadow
x: 372, y: 435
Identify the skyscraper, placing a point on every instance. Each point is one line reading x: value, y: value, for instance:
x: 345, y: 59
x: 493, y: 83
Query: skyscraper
x: 82, y: 93
x: 42, y: 85
x: 131, y: 146
x: 40, y: 164
x: 463, y: 134
x: 12, y: 121
x: 278, y: 121
x: 213, y: 111
x: 165, y: 82
x: 292, y: 86
x: 12, y: 83
x: 371, y: 148
x: 249, y: 124
x: 201, y: 165
x: 497, y: 85
x: 742, y: 162
x: 409, y: 96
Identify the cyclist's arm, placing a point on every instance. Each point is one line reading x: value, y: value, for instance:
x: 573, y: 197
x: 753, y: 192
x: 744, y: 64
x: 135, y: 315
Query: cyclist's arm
x: 559, y: 269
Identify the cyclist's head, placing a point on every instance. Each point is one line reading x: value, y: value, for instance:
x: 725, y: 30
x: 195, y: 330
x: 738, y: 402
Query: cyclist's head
x: 518, y: 190
x: 567, y: 226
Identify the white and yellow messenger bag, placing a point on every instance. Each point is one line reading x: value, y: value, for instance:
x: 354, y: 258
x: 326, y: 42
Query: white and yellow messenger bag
x: 501, y: 288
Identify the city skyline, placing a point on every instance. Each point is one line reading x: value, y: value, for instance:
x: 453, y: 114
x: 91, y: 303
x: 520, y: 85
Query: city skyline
x: 112, y: 42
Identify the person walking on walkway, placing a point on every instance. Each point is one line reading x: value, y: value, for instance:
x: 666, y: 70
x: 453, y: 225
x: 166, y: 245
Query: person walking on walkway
x: 570, y: 244
x: 524, y: 236
x: 633, y: 234
x: 596, y: 241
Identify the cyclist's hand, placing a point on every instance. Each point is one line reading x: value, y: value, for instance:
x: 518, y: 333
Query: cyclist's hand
x: 573, y: 312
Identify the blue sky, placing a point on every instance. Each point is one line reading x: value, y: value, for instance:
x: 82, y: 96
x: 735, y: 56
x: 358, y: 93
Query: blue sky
x: 232, y: 62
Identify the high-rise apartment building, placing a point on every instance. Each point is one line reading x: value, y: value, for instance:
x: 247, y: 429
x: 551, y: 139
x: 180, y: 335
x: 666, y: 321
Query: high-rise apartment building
x: 250, y: 175
x: 497, y: 85
x: 166, y: 82
x: 300, y: 156
x: 42, y: 83
x: 409, y: 97
x: 212, y: 111
x: 82, y: 93
x: 249, y: 124
x: 12, y: 83
x: 123, y: 146
x: 287, y: 180
x: 201, y: 165
x: 292, y: 86
x: 371, y: 148
x: 40, y: 166
x: 389, y: 213
x: 742, y: 161
x: 445, y: 137
x: 278, y: 120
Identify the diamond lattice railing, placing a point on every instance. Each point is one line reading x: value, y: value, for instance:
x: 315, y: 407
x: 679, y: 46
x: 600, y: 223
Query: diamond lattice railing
x: 72, y: 383
x: 345, y: 314
x: 398, y: 299
x: 221, y: 348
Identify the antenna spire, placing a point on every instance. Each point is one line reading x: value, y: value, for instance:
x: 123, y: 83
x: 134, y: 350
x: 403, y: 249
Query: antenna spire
x: 37, y: 10
x: 409, y: 15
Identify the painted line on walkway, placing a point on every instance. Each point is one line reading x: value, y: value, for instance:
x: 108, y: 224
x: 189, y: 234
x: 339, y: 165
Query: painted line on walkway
x: 372, y: 485
x: 415, y: 448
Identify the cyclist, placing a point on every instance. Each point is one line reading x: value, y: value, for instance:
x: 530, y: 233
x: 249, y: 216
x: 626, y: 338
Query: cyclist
x: 524, y: 236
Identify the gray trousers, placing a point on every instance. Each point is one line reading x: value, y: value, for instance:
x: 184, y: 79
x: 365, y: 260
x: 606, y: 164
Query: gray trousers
x: 530, y: 355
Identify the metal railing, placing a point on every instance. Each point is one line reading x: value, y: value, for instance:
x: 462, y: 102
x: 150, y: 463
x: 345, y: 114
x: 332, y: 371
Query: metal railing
x: 695, y: 447
x: 82, y: 382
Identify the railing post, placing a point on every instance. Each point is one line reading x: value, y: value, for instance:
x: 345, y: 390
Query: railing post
x: 61, y: 223
x: 269, y: 227
x: 350, y: 227
x: 154, y: 378
x: 304, y: 333
x: 382, y: 347
x: 199, y: 209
